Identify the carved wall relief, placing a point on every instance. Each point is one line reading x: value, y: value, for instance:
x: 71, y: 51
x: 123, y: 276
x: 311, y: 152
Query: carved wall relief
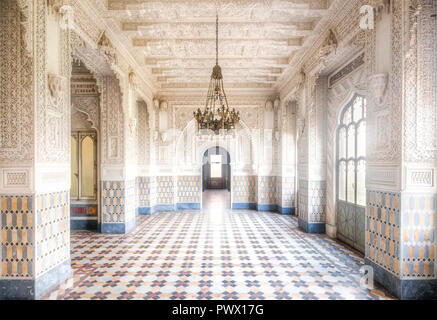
x: 16, y: 91
x: 57, y: 88
x: 377, y: 87
x: 420, y: 115
x: 112, y: 121
x: 329, y: 46
x: 143, y: 134
x: 52, y: 92
x: 106, y: 49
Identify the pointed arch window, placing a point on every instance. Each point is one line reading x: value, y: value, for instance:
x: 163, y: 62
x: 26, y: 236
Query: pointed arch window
x: 351, y: 152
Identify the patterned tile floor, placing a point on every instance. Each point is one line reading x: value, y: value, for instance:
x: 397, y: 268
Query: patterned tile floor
x: 213, y: 254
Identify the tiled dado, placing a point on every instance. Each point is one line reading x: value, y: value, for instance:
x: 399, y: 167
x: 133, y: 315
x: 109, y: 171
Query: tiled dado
x: 129, y: 204
x: 317, y: 201
x: 244, y: 192
x: 267, y: 191
x: 383, y: 230
x: 118, y: 206
x: 52, y: 230
x: 168, y: 193
x: 146, y: 194
x: 35, y: 243
x: 302, y: 206
x: 83, y: 216
x: 144, y: 190
x: 419, y: 235
x: 312, y: 205
x: 188, y: 192
x: 17, y: 231
x: 165, y: 193
x: 262, y: 193
x: 83, y: 210
x: 400, y: 242
x: 286, y: 192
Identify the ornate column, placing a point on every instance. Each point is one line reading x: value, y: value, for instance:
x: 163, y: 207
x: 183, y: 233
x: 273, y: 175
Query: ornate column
x: 118, y: 185
x: 267, y: 178
x: 34, y: 149
x: 312, y: 181
x: 286, y: 181
x: 402, y: 148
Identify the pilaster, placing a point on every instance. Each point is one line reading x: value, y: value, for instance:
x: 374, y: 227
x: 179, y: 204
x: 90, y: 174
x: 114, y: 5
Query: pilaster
x: 401, y: 189
x: 34, y: 151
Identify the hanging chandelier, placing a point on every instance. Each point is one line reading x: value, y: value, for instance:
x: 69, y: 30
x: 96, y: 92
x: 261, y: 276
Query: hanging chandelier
x: 216, y: 116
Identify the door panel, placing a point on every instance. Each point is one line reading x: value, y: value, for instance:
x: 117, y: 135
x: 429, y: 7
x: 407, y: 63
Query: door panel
x: 360, y: 227
x: 346, y: 221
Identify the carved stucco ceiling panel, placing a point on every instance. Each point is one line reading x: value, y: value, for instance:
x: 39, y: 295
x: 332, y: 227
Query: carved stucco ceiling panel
x: 175, y: 40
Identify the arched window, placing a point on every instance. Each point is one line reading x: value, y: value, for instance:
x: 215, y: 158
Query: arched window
x: 351, y: 172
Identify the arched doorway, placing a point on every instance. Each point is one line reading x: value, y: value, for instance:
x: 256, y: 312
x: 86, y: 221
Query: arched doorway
x: 85, y: 160
x: 216, y: 176
x: 351, y: 173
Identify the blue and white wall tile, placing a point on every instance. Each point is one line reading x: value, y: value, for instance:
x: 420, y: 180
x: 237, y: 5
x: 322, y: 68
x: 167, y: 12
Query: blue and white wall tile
x: 244, y: 192
x: 189, y: 191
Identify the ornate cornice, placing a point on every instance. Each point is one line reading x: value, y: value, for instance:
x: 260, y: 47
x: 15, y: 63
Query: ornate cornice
x: 340, y: 12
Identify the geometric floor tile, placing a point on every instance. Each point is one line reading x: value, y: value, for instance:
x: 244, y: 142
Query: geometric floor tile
x: 216, y: 253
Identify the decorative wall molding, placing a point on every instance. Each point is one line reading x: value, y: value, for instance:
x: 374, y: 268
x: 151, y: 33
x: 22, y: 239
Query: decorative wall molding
x: 420, y: 177
x: 16, y: 180
x: 383, y: 178
x: 112, y: 173
x: 346, y: 70
x: 377, y: 87
x: 52, y: 177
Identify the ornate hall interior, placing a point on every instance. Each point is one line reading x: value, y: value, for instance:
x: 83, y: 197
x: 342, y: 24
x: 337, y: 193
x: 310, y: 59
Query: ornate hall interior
x: 310, y: 173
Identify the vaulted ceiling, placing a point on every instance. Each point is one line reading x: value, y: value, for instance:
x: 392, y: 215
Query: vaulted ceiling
x: 174, y: 40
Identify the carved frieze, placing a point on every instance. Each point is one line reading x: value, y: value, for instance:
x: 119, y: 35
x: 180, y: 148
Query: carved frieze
x: 346, y: 70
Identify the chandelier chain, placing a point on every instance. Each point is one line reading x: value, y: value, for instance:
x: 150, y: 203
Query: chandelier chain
x: 217, y: 115
x: 216, y: 39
